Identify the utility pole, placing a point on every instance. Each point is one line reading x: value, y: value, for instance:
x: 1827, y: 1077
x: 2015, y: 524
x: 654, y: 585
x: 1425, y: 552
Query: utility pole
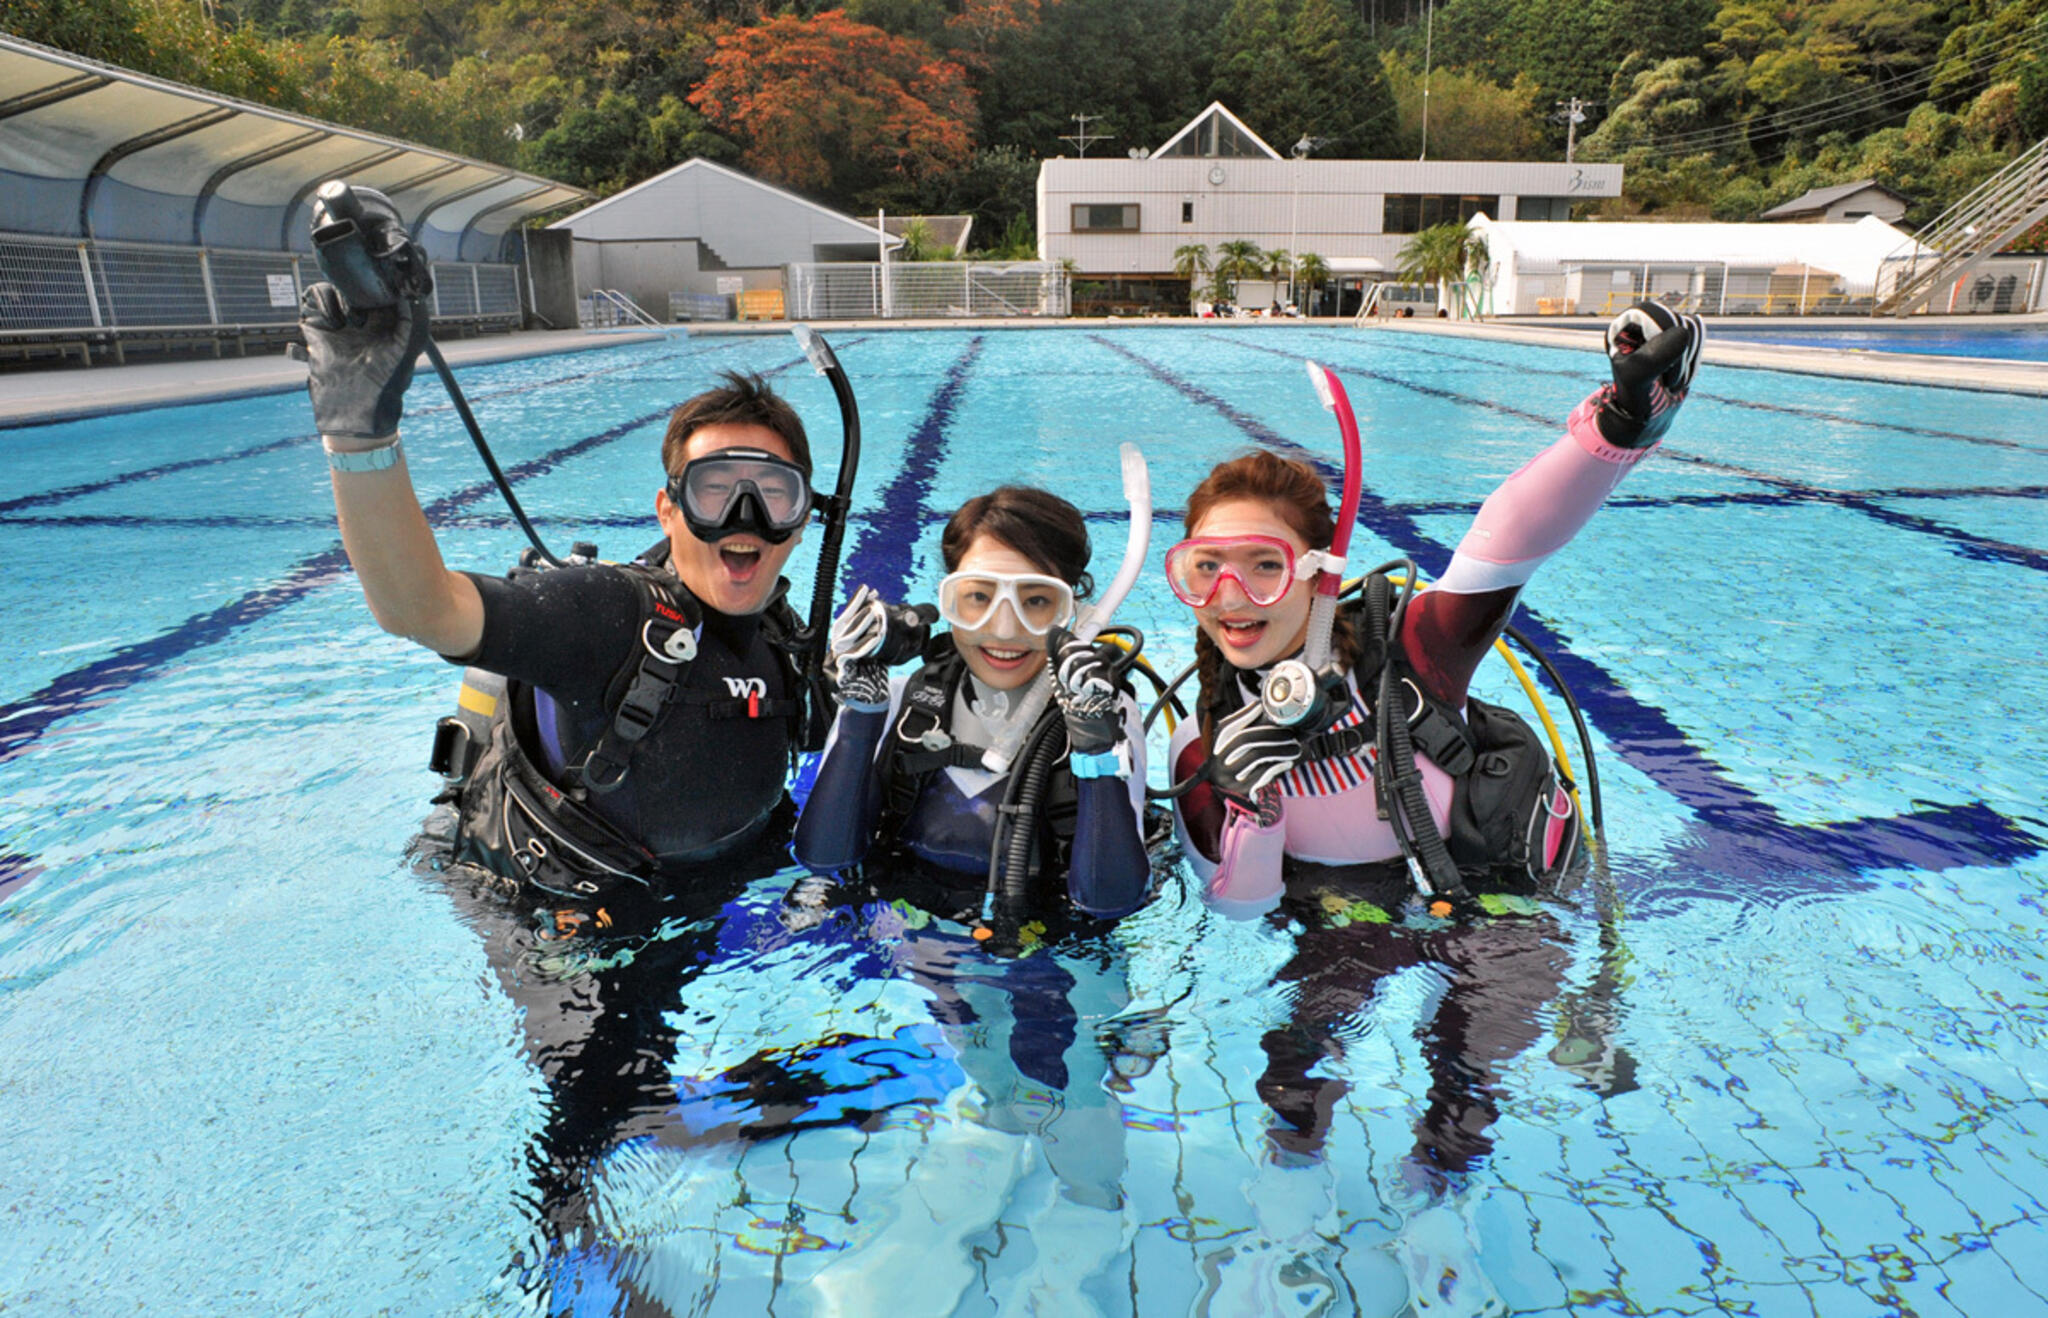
x: 1428, y: 37
x: 1082, y: 137
x: 1572, y: 113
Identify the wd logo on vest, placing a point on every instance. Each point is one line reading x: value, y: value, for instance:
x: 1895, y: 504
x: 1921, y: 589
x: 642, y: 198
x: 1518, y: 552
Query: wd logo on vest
x: 743, y: 687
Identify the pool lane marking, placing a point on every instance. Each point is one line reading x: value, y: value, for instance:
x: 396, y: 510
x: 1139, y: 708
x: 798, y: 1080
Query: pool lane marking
x: 1966, y: 544
x: 1744, y: 839
x: 66, y: 493
x: 1594, y: 379
x: 630, y: 521
x: 882, y: 557
x: 23, y: 722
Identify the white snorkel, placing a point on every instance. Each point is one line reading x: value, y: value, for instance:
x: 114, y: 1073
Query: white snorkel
x: 1092, y: 619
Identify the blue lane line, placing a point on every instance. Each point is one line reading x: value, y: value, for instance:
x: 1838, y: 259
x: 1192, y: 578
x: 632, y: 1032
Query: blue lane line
x: 23, y: 722
x: 1419, y: 508
x: 1964, y: 544
x: 1746, y: 837
x: 882, y: 558
x: 69, y: 492
x: 1594, y: 379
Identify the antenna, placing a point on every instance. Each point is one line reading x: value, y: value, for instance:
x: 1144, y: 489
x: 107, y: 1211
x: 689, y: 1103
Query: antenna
x: 1081, y: 137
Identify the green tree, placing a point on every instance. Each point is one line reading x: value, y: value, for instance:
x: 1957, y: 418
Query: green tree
x: 1240, y: 258
x: 1470, y: 118
x: 1311, y: 273
x: 1442, y: 255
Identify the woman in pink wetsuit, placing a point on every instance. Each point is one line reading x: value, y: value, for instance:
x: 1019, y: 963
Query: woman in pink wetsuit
x: 1279, y: 819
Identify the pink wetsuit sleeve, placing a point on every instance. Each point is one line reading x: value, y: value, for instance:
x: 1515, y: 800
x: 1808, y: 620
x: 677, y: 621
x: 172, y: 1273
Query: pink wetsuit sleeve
x: 1533, y: 514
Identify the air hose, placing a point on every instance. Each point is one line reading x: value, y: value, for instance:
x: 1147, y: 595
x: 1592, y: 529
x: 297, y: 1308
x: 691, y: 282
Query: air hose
x: 1016, y: 827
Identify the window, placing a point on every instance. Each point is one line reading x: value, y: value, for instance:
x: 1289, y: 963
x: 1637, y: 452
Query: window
x: 1543, y: 208
x: 1115, y: 218
x: 1187, y: 212
x: 1413, y: 214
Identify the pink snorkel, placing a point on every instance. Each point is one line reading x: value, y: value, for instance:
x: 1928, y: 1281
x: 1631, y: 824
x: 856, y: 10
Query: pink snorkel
x: 1293, y: 692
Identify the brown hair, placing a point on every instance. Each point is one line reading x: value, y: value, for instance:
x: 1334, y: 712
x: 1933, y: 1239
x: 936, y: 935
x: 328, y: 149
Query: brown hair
x: 745, y: 400
x: 1036, y: 523
x: 1298, y: 497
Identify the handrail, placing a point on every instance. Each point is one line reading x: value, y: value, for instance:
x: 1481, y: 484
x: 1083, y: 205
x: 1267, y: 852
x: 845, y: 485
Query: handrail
x: 1970, y: 231
x: 626, y: 307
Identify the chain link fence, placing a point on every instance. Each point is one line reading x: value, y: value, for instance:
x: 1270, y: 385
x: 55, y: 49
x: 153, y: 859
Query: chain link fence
x: 49, y: 286
x: 935, y: 290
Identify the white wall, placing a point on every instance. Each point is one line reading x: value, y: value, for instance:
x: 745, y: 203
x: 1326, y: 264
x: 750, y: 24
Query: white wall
x: 1334, y: 208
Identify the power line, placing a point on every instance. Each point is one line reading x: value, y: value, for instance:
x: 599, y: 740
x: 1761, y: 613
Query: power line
x: 1845, y: 106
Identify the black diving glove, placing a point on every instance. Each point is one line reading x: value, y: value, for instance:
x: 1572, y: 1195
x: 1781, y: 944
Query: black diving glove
x: 367, y: 323
x: 854, y: 655
x: 1250, y: 755
x: 361, y: 364
x: 1085, y: 687
x: 1653, y: 352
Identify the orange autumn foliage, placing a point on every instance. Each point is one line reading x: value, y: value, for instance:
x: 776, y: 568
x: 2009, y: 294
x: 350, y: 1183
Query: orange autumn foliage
x: 822, y: 101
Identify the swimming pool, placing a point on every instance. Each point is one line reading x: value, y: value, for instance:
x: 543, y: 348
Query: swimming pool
x: 256, y: 1063
x: 2023, y: 343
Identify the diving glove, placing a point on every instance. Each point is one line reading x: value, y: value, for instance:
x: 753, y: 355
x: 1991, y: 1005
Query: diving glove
x: 1653, y: 352
x: 860, y: 679
x: 1085, y: 687
x: 1250, y: 755
x: 366, y: 325
x: 361, y: 364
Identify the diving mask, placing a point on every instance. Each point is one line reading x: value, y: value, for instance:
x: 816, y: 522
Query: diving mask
x: 1264, y: 567
x: 741, y: 491
x: 969, y: 600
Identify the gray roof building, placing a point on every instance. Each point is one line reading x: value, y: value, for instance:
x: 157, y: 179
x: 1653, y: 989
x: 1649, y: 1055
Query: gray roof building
x: 1843, y: 202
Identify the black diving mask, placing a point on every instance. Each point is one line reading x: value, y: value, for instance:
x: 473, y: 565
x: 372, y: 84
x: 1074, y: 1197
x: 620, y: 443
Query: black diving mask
x: 741, y: 491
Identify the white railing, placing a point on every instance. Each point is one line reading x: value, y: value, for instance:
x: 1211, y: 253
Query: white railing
x: 66, y: 284
x: 860, y: 290
x: 699, y: 306
x: 608, y: 308
x: 1710, y: 288
x: 1966, y: 235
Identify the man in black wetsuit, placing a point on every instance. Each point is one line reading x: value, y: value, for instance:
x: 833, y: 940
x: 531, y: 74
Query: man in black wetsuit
x: 648, y: 720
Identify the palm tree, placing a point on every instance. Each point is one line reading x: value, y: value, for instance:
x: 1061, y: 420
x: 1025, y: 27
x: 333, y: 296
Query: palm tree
x: 919, y: 243
x: 1311, y: 272
x: 1190, y: 260
x: 1239, y: 259
x: 1442, y: 255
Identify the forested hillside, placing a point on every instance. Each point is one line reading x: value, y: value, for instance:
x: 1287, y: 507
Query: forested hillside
x: 1718, y: 108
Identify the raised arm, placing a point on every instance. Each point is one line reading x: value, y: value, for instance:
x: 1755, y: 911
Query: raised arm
x: 1108, y: 871
x: 1537, y: 510
x: 839, y: 818
x: 361, y: 364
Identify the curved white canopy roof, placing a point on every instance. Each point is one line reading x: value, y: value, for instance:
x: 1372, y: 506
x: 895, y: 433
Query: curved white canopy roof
x: 91, y: 150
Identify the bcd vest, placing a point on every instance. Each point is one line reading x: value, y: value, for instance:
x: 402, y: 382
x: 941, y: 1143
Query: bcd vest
x: 1503, y: 779
x: 514, y: 821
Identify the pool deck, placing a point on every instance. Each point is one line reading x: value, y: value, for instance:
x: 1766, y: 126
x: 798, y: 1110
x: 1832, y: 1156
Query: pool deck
x: 68, y: 393
x: 71, y: 392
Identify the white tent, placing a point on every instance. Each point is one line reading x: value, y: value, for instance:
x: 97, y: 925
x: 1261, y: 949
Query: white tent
x: 1595, y: 268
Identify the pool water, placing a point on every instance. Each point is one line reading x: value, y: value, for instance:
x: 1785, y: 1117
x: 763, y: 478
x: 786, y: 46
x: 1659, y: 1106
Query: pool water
x: 258, y: 1062
x: 2025, y: 343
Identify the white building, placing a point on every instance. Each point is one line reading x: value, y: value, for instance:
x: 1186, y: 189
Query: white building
x: 1841, y: 203
x: 1120, y: 218
x: 704, y: 229
x: 1716, y: 269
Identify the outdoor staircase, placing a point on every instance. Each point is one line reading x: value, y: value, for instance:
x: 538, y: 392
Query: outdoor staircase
x: 608, y: 308
x: 1998, y: 210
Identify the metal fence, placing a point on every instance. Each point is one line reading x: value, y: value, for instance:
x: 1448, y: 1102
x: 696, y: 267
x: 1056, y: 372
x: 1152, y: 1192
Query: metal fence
x: 699, y: 306
x: 1996, y: 286
x: 854, y: 290
x: 1720, y: 288
x: 57, y: 285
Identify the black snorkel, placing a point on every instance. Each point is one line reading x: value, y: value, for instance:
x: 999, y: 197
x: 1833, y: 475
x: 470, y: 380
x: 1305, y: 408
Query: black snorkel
x: 810, y: 642
x: 375, y: 267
